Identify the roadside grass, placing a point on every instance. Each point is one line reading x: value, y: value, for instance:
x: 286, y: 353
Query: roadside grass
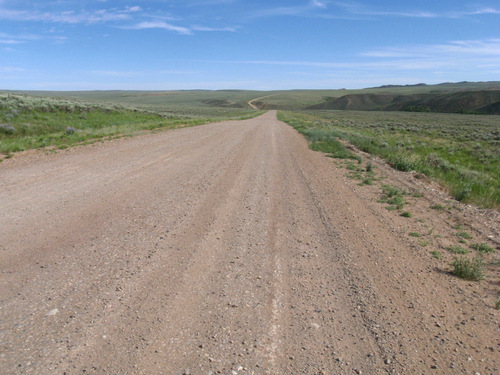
x: 28, y: 122
x: 327, y: 143
x: 460, y: 152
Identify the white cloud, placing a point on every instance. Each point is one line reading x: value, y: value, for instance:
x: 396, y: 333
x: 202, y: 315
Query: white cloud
x: 486, y: 47
x: 70, y: 17
x: 162, y: 25
x: 318, y: 4
x: 479, y: 11
x: 304, y: 10
x: 10, y: 41
x: 133, y: 9
x: 360, y: 9
x: 203, y: 28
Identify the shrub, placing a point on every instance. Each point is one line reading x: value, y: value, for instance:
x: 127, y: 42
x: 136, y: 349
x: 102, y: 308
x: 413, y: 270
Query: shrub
x: 71, y: 130
x: 469, y: 269
x: 7, y: 129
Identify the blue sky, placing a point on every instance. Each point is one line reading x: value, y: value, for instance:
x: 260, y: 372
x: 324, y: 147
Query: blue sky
x: 240, y: 44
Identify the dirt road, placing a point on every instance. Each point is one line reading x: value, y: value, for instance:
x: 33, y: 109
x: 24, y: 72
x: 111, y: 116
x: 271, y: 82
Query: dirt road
x: 250, y: 103
x: 227, y: 248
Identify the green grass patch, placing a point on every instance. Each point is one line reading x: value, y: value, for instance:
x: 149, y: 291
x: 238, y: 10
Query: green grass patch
x: 482, y: 248
x: 327, y: 143
x: 455, y: 249
x: 464, y: 235
x: 415, y: 234
x: 436, y: 254
x: 392, y: 196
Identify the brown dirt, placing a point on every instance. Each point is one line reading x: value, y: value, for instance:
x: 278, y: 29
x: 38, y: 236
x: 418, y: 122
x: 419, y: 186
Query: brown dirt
x: 231, y: 248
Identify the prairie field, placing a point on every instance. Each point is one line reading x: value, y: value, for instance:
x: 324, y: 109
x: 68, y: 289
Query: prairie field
x: 461, y: 152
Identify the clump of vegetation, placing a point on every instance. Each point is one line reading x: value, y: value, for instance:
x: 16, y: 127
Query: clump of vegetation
x: 392, y: 196
x: 438, y: 207
x: 469, y: 269
x: 406, y: 214
x: 482, y: 248
x: 415, y: 234
x: 457, y: 249
x: 436, y: 254
x: 464, y: 235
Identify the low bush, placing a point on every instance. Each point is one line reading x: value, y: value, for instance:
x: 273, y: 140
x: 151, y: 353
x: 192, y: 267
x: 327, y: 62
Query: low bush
x: 469, y: 269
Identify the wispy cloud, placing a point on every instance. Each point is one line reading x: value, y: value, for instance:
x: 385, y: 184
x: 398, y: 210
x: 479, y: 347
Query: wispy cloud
x: 161, y: 25
x: 360, y: 9
x: 486, y: 47
x: 10, y: 41
x: 479, y: 11
x: 70, y: 17
x: 26, y: 38
x: 203, y: 28
x: 301, y: 10
x: 455, y: 55
x: 183, y: 30
x: 318, y: 4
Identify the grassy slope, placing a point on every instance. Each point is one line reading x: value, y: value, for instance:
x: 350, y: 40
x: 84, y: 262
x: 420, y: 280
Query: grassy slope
x: 28, y: 122
x: 484, y: 101
x: 164, y: 99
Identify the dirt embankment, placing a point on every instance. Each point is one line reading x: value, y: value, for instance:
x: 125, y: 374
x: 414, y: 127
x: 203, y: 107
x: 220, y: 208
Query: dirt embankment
x: 227, y: 248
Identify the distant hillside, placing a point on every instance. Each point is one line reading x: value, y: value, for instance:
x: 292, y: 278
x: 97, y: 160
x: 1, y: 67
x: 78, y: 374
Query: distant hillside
x: 484, y: 102
x: 465, y: 97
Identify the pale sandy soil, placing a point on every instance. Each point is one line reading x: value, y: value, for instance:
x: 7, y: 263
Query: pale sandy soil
x: 231, y: 248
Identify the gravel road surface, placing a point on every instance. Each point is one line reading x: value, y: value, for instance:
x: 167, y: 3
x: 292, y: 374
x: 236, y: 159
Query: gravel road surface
x: 228, y: 248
